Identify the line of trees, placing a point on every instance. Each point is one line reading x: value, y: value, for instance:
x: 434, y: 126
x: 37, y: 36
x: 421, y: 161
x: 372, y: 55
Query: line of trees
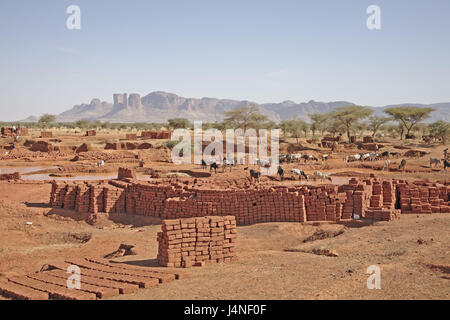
x: 399, y: 122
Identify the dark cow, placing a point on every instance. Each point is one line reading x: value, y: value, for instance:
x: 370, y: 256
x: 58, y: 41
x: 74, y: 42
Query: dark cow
x: 402, y: 165
x: 204, y: 165
x: 446, y: 164
x: 255, y: 175
x: 281, y: 173
x: 384, y: 154
x: 213, y: 166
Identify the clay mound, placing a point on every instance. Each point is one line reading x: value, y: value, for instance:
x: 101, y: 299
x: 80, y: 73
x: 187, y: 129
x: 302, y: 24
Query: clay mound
x: 145, y: 145
x: 85, y: 147
x: 415, y: 153
x: 41, y: 146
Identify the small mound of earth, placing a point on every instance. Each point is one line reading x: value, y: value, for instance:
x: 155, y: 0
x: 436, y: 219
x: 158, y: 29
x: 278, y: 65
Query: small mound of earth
x: 124, y: 250
x: 322, y: 234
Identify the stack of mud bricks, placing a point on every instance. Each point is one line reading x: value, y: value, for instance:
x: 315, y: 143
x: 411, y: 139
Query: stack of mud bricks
x: 91, y: 133
x: 96, y: 203
x: 367, y: 139
x: 382, y: 202
x: 125, y: 173
x: 321, y: 205
x: 83, y: 198
x: 114, y: 200
x: 156, y: 134
x: 7, y: 132
x: 423, y: 197
x: 113, y: 146
x: 196, y: 241
x: 46, y: 134
x: 10, y: 176
x: 131, y: 136
x: 356, y: 199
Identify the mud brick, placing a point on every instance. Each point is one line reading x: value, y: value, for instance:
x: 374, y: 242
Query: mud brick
x: 54, y: 291
x: 19, y: 292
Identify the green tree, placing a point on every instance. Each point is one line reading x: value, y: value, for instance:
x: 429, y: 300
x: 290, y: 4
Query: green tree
x: 409, y: 116
x: 46, y: 119
x: 350, y: 116
x: 246, y: 117
x: 375, y: 123
x: 83, y: 124
x: 179, y: 123
x: 440, y: 129
x: 294, y: 128
x: 319, y: 121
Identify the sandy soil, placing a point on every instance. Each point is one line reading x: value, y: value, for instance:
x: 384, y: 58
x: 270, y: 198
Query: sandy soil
x: 274, y: 262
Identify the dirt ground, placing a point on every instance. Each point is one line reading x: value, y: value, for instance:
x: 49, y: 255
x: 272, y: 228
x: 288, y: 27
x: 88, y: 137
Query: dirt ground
x: 275, y: 260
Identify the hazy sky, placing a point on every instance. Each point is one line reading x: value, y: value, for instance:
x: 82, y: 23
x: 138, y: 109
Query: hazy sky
x: 264, y: 51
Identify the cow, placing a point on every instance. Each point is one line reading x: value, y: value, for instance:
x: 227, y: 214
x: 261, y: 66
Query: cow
x: 204, y: 165
x: 227, y: 163
x: 384, y: 155
x: 325, y: 157
x: 308, y: 157
x: 435, y: 162
x: 402, y: 165
x: 294, y: 157
x: 300, y: 173
x: 255, y: 175
x: 213, y: 166
x: 264, y: 163
x: 351, y: 158
x: 280, y: 172
x: 322, y: 176
x: 446, y: 164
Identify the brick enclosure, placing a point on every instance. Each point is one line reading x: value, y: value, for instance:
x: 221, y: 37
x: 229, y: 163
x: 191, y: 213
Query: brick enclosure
x: 190, y: 241
x: 91, y: 133
x: 10, y: 132
x: 369, y: 198
x: 46, y: 134
x: 156, y: 134
x: 10, y: 176
x: 131, y: 136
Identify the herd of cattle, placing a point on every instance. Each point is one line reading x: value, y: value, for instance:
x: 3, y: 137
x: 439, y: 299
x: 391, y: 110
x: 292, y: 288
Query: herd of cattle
x: 297, y: 157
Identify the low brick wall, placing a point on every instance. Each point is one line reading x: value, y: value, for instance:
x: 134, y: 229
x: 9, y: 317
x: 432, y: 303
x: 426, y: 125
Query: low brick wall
x: 91, y: 133
x: 10, y: 176
x: 156, y: 134
x: 131, y: 136
x: 125, y: 173
x: 186, y: 242
x: 370, y: 198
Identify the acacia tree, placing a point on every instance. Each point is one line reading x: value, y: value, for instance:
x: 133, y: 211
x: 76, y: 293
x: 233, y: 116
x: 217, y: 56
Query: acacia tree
x: 179, y: 123
x: 294, y: 128
x: 246, y: 117
x: 409, y: 117
x: 375, y: 123
x: 350, y: 116
x: 46, y: 119
x: 319, y: 121
x: 440, y: 129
